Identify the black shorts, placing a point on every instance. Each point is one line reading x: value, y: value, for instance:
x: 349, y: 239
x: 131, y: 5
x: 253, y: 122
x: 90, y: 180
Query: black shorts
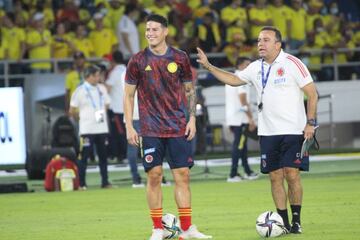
x: 153, y: 150
x: 282, y: 151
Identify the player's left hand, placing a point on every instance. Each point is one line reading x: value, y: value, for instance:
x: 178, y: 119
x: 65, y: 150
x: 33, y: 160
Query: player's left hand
x: 132, y: 136
x: 309, y: 131
x: 190, y: 129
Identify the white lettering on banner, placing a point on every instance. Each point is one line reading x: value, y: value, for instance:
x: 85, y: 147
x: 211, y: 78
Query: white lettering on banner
x: 12, y: 126
x: 4, y: 128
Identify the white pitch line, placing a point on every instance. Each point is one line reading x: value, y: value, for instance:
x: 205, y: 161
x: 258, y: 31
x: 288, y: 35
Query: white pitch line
x: 211, y: 163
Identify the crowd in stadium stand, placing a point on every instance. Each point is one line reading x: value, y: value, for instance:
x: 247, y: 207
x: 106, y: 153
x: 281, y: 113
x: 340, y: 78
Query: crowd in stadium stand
x: 38, y: 29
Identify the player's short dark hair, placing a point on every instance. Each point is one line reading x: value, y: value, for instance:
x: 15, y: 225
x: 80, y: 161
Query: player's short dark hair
x: 275, y: 30
x: 91, y: 70
x: 157, y: 18
x: 241, y: 60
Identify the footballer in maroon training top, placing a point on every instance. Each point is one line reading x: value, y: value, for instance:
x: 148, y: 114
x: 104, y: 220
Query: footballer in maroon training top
x: 162, y: 107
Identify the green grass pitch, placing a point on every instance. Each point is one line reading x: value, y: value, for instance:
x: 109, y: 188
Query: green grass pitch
x: 331, y: 207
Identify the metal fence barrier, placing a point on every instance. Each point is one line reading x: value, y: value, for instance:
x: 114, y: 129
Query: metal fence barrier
x: 7, y: 76
x: 329, y: 112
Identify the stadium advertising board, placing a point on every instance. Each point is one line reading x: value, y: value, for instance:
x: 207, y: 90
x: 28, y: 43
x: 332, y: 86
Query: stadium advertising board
x: 12, y: 127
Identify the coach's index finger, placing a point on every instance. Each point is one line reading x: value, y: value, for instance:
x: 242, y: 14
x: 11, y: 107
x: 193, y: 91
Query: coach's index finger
x: 201, y: 56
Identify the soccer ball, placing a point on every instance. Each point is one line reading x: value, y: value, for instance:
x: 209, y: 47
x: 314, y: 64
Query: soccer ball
x: 270, y: 224
x: 171, y: 226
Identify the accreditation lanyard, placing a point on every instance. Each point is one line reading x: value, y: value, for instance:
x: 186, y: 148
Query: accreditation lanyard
x: 92, y: 99
x: 81, y: 79
x: 264, y: 80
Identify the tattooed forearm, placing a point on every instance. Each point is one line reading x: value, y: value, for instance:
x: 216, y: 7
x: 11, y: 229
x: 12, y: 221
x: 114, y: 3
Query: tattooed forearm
x: 191, y: 98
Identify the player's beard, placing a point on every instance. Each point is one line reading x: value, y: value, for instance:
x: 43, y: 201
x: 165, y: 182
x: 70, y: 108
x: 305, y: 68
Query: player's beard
x: 153, y: 43
x: 156, y: 44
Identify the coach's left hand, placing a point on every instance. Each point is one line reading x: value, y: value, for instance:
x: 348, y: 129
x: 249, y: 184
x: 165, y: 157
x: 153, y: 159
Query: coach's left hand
x: 309, y: 131
x: 202, y: 58
x: 190, y: 129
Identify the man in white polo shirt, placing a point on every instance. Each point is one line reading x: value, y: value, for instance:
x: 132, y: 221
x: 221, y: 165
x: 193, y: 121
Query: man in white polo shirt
x: 115, y: 85
x: 280, y: 80
x: 127, y: 31
x: 89, y: 103
x: 240, y: 120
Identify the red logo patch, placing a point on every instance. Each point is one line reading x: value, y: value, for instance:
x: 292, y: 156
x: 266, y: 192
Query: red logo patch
x: 280, y: 72
x: 297, y: 161
x: 190, y: 160
x: 149, y: 158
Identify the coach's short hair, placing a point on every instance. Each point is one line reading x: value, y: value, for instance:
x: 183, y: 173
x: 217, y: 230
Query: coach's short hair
x: 91, y: 70
x: 275, y: 30
x: 157, y: 18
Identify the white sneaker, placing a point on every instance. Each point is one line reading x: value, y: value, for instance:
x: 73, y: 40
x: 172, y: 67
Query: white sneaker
x: 138, y: 185
x: 192, y: 232
x: 166, y: 184
x: 157, y: 234
x: 234, y: 179
x: 251, y: 176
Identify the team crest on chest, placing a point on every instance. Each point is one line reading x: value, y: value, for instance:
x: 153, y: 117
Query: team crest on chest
x: 172, y: 67
x: 280, y: 72
x: 258, y: 76
x: 148, y: 68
